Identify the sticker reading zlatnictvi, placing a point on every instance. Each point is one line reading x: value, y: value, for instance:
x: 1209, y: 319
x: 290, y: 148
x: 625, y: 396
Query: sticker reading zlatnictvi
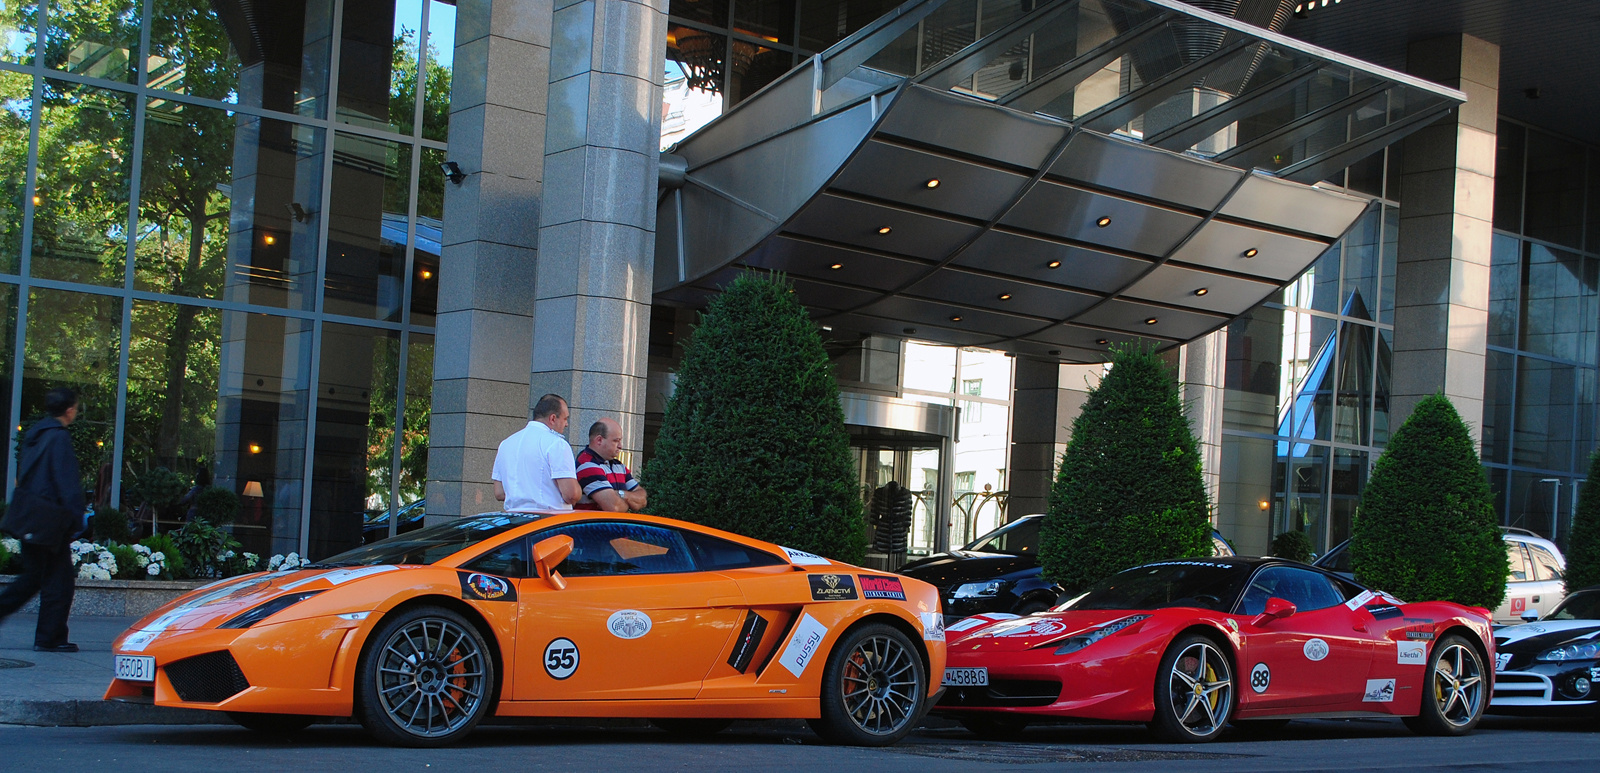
x: 832, y: 587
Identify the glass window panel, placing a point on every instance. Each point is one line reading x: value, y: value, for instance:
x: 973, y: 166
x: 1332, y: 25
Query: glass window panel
x: 1508, y: 162
x: 1505, y: 280
x: 1349, y: 479
x: 1544, y: 415
x: 1309, y: 368
x: 80, y: 215
x: 171, y: 421
x: 1305, y: 487
x: 74, y: 340
x: 227, y: 206
x: 1353, y: 408
x: 1244, y: 502
x: 947, y: 30
x: 771, y: 20
x: 1497, y: 485
x: 930, y: 367
x: 263, y: 402
x: 367, y: 227
x: 754, y: 67
x: 687, y: 104
x: 823, y: 22
x: 19, y: 31
x: 1535, y: 499
x: 278, y: 60
x: 699, y: 56
x: 713, y: 12
x: 418, y: 413
x: 1389, y: 256
x: 1592, y: 241
x: 1587, y: 404
x: 16, y: 112
x: 1255, y: 346
x: 352, y: 472
x: 430, y: 237
x: 1380, y: 388
x: 440, y: 69
x: 1554, y: 301
x: 97, y: 38
x: 8, y: 337
x: 378, y: 51
x: 1497, y: 380
x: 1555, y: 190
x: 1363, y: 246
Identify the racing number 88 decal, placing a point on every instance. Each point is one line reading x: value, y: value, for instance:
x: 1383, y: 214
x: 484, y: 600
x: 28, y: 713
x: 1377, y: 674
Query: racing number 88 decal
x: 560, y: 658
x: 1260, y: 678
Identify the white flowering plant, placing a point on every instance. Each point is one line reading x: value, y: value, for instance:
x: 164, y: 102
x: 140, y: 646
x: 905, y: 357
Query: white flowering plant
x: 10, y: 556
x: 285, y: 563
x: 94, y: 561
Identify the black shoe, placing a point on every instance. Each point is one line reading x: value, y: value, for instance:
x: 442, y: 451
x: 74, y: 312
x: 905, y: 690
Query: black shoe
x: 66, y: 647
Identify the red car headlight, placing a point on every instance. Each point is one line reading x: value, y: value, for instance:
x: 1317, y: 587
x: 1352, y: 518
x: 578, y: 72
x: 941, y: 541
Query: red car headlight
x: 1082, y: 640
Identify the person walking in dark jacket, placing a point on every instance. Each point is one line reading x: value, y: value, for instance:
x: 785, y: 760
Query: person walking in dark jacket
x: 46, y: 512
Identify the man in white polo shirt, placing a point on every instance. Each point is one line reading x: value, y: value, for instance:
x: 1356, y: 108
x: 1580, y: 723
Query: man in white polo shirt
x: 534, y: 469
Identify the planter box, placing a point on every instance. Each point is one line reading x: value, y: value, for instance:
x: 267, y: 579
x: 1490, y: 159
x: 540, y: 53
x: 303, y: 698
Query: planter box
x: 118, y: 598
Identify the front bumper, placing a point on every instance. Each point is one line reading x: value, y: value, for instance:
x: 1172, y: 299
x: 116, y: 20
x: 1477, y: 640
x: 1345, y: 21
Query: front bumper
x: 1543, y: 687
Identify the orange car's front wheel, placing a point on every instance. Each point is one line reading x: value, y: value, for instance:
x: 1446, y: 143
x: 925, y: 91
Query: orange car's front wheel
x: 425, y: 679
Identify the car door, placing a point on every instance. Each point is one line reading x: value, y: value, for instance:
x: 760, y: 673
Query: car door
x: 1519, y: 585
x: 636, y: 620
x: 1313, y: 660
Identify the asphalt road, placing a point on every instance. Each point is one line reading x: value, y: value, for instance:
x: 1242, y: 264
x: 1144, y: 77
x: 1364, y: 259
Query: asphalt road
x: 1500, y: 744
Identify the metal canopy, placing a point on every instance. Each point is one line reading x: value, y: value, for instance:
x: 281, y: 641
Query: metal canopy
x: 1161, y: 186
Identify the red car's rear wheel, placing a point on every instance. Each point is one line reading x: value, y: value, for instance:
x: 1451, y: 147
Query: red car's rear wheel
x: 1194, y: 691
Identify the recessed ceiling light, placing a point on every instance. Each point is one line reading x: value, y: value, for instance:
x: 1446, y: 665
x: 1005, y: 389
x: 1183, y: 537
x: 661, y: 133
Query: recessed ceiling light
x: 1005, y: 296
x: 1055, y: 351
x: 885, y: 230
x: 910, y: 331
x: 955, y: 317
x: 1103, y: 341
x: 934, y: 183
x: 1053, y: 264
x: 1252, y: 252
x: 836, y: 266
x: 828, y: 328
x: 1201, y: 291
x: 1103, y: 222
x: 1150, y: 321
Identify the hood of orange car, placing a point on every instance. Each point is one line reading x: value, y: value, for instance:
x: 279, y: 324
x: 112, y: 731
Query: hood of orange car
x: 214, y: 604
x: 1025, y: 633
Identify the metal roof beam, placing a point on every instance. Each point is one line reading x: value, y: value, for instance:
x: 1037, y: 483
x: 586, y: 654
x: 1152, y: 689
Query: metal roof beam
x: 1318, y: 167
x: 964, y: 63
x: 844, y: 57
x: 1114, y: 114
x: 1066, y: 76
x: 1184, y: 135
x: 1243, y: 155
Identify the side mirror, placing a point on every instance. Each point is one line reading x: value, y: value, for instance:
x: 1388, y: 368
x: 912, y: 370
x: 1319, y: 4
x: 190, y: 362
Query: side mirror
x: 547, y: 555
x: 1530, y: 615
x: 1277, y: 609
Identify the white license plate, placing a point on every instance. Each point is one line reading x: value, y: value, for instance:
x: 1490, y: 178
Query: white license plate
x: 1501, y: 660
x: 966, y: 677
x: 136, y: 668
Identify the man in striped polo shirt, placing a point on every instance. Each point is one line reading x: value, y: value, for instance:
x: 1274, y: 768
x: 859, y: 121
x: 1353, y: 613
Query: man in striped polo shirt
x: 605, y: 480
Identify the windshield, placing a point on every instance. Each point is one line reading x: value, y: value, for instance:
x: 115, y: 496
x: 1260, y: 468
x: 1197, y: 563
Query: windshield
x: 1198, y: 583
x: 1579, y: 606
x: 1016, y: 538
x: 426, y: 546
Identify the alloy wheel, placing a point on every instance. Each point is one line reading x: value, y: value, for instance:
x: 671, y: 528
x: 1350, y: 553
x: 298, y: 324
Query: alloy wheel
x: 431, y: 677
x: 879, y: 685
x: 1458, y: 684
x: 1201, y: 689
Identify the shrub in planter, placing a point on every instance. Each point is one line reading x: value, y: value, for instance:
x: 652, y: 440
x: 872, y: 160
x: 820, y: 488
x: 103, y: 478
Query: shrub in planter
x: 753, y: 439
x: 161, y: 488
x: 110, y: 525
x: 128, y: 567
x: 1426, y: 528
x: 10, y: 561
x: 1293, y: 545
x: 1583, y: 542
x: 217, y: 505
x: 163, y: 544
x: 1129, y: 489
x: 202, y: 547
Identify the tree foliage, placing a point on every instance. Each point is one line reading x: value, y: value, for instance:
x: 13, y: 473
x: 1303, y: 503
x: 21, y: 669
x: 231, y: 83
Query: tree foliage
x: 1583, y: 541
x: 1293, y: 545
x: 753, y: 439
x: 1426, y: 527
x: 1129, y: 489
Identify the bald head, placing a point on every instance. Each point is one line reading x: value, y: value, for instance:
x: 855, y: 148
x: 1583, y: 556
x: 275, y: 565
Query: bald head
x: 605, y: 438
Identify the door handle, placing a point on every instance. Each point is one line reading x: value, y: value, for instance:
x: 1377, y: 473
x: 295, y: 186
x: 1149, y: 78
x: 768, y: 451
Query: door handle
x: 1535, y: 599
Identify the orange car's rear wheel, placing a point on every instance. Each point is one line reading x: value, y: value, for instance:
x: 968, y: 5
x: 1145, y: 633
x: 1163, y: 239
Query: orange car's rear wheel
x: 425, y: 679
x: 874, y: 688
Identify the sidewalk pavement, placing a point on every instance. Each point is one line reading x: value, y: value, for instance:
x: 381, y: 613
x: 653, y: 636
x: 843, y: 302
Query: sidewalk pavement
x: 66, y: 689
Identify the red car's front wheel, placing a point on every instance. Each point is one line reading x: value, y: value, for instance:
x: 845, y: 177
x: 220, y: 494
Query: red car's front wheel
x: 1194, y: 691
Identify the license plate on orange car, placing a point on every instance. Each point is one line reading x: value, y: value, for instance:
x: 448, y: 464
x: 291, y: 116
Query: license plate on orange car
x: 966, y: 677
x: 136, y: 668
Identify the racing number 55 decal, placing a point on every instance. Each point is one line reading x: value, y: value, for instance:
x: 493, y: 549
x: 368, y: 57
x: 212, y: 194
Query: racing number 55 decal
x: 560, y: 658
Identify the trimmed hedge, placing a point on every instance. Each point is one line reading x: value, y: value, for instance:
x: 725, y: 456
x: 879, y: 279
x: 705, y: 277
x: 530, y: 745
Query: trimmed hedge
x: 1426, y: 528
x: 1293, y: 545
x: 1583, y: 542
x: 753, y: 440
x: 1129, y: 489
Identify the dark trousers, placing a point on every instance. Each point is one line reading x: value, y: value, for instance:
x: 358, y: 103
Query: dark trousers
x: 47, y: 571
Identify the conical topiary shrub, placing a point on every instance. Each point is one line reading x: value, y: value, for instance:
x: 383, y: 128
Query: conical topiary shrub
x: 1293, y: 545
x: 1129, y: 490
x: 1583, y: 542
x: 1426, y: 527
x: 753, y: 439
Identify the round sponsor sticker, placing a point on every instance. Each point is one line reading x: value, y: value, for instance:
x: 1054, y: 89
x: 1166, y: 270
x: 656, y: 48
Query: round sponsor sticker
x: 560, y: 658
x: 628, y: 624
x: 1260, y: 678
x: 1316, y: 649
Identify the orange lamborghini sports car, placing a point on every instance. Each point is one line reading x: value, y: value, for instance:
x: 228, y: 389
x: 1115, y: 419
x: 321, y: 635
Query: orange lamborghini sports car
x: 585, y: 614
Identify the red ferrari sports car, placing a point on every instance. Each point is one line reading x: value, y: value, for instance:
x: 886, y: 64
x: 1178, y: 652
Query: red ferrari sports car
x: 1189, y: 646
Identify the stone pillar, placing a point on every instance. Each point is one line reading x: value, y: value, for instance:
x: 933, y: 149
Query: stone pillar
x: 1203, y: 362
x: 486, y: 276
x: 1446, y: 216
x: 601, y: 149
x: 1046, y: 396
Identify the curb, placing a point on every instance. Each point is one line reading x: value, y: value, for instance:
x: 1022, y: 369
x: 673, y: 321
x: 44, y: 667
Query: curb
x: 98, y: 713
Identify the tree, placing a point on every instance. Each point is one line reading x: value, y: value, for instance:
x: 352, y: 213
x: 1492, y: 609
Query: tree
x: 1129, y: 489
x: 1426, y: 527
x: 1583, y: 541
x: 1293, y: 545
x: 753, y: 439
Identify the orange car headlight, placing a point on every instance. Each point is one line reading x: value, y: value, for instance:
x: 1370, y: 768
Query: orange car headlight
x: 268, y: 609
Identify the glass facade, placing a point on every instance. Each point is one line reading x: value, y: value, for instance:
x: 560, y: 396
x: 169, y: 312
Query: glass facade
x: 1542, y: 380
x: 224, y: 233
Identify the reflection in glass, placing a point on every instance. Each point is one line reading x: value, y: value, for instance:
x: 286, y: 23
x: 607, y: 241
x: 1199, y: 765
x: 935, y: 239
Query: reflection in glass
x: 441, y: 53
x: 80, y: 213
x: 96, y: 38
x: 8, y: 337
x: 929, y: 367
x: 685, y: 107
x: 1380, y: 388
x: 1509, y: 142
x: 1505, y: 278
x: 1309, y: 370
x: 1544, y: 414
x: 74, y: 340
x: 1361, y: 262
x: 1354, y: 402
x: 378, y: 53
x: 356, y: 415
x: 1555, y: 297
x: 771, y: 20
x: 277, y: 60
x: 1497, y: 381
x: 713, y: 12
x: 1306, y: 467
x: 1555, y: 189
x: 173, y: 355
x: 16, y: 111
x: 754, y: 67
x: 418, y: 414
x: 1244, y: 501
x: 19, y: 20
x: 367, y: 227
x: 1349, y: 478
x: 263, y: 399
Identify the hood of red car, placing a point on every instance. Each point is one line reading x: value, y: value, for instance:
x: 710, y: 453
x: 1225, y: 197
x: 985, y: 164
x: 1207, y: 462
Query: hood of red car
x: 1025, y: 633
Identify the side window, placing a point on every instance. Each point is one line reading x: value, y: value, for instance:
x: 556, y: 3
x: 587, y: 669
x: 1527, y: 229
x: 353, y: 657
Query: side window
x: 619, y: 547
x: 711, y: 554
x: 1545, y: 565
x: 1519, y: 562
x: 508, y: 560
x: 1306, y: 590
